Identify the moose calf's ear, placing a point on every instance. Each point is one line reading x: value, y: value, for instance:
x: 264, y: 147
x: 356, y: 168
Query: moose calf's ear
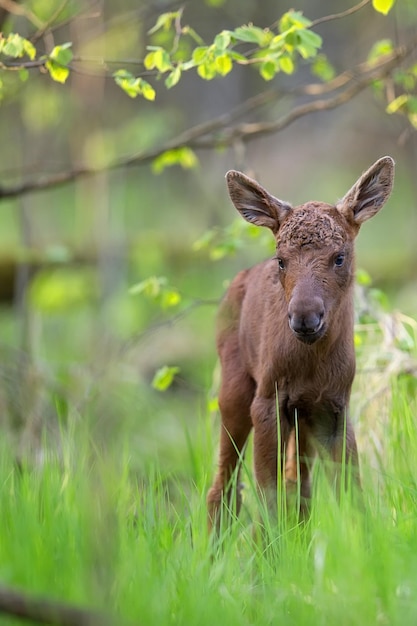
x: 254, y: 203
x: 369, y: 194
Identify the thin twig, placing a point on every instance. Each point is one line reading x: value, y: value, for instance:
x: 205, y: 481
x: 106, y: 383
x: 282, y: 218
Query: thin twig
x: 15, y: 9
x: 40, y: 33
x: 342, y: 14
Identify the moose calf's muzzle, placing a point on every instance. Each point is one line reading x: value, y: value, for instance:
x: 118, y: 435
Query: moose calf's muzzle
x: 306, y: 318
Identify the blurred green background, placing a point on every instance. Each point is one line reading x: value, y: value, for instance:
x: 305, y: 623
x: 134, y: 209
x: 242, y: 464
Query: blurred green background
x: 76, y: 344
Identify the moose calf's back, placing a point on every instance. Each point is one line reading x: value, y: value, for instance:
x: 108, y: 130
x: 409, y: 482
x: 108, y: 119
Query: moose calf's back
x: 285, y: 336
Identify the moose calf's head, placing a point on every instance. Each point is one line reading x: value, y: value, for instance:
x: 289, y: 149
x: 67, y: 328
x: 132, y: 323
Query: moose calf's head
x: 315, y: 242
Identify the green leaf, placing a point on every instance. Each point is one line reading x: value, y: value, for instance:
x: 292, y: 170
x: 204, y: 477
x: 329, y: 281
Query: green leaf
x: 149, y: 60
x: 164, y: 21
x: 357, y: 340
x: 405, y: 78
x: 58, y: 290
x: 13, y: 46
x: 57, y: 62
x: 207, y: 70
x: 170, y: 298
x: 224, y: 249
x: 309, y: 43
x: 379, y: 49
x: 213, y: 404
x: 62, y: 54
x: 159, y: 58
x: 199, y: 54
x: 412, y: 104
x: 184, y: 157
x: 162, y: 60
x: 126, y: 81
x: 164, y: 377
x: 286, y: 64
x: 291, y: 19
x: 253, y: 34
x: 236, y: 56
x: 292, y: 39
x: 205, y: 240
x: 151, y: 287
x: 23, y: 74
x: 223, y: 64
x: 222, y: 40
x: 322, y: 68
x: 268, y: 69
x: 397, y: 104
x: 363, y: 278
x: 133, y: 86
x: 383, y: 6
x: 147, y: 91
x: 380, y: 297
x: 58, y: 72
x: 155, y: 288
x: 29, y: 49
x: 173, y: 78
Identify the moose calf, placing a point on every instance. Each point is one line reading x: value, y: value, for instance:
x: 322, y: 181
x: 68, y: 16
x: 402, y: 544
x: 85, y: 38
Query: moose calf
x: 285, y: 339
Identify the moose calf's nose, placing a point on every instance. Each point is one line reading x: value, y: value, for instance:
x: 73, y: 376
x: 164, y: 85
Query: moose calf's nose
x: 305, y: 317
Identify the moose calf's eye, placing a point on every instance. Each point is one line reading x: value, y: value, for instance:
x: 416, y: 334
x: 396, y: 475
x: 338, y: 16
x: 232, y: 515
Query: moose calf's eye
x: 339, y: 260
x: 281, y: 264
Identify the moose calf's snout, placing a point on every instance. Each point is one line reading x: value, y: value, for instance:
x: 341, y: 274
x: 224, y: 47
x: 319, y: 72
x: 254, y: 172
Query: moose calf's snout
x: 305, y: 318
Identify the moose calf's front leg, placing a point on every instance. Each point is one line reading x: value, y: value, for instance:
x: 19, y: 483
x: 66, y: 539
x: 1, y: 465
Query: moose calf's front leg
x: 286, y: 451
x: 264, y: 420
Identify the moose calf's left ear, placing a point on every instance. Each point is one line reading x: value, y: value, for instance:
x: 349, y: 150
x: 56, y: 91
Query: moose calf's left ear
x: 369, y: 194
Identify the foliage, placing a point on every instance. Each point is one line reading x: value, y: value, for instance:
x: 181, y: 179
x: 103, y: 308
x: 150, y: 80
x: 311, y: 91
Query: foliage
x: 404, y: 79
x: 14, y: 46
x: 269, y: 50
x: 171, y: 48
x: 134, y: 86
x: 164, y: 377
x: 156, y: 288
x: 383, y: 6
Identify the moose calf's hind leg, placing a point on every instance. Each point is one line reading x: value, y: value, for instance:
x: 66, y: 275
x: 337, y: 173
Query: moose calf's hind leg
x: 298, y: 456
x: 344, y: 451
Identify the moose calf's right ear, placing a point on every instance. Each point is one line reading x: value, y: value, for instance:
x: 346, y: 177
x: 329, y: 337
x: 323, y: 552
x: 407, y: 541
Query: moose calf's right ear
x: 254, y: 203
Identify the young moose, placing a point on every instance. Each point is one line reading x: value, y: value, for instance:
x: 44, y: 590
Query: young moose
x: 285, y: 338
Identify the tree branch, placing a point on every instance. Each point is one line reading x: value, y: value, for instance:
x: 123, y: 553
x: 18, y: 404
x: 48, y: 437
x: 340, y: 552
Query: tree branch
x: 250, y: 131
x: 220, y: 132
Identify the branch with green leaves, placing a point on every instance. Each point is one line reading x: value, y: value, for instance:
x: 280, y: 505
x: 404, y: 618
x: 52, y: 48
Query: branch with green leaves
x: 14, y: 47
x: 224, y: 130
x: 278, y: 48
x: 270, y: 50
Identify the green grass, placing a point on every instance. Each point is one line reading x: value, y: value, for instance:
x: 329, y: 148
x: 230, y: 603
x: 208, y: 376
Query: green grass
x: 86, y: 528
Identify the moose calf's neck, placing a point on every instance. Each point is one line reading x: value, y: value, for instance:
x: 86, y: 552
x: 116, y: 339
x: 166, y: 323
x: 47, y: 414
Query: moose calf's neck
x: 285, y: 336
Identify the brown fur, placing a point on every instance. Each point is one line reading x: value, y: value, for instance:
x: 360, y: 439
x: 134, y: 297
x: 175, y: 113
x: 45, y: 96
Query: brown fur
x: 286, y: 326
